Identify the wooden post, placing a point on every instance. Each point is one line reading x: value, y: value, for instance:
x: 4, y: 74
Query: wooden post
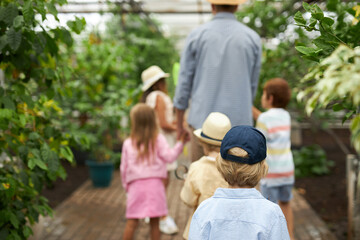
x: 353, y: 194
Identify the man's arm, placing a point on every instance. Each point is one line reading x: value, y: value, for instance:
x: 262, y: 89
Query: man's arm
x: 256, y: 69
x: 185, y: 83
x: 179, y: 122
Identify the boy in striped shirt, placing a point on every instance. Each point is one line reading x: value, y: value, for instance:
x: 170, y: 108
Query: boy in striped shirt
x: 275, y: 124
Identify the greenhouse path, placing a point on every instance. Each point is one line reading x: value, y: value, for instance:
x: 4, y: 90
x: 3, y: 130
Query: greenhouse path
x: 91, y: 213
x: 99, y: 214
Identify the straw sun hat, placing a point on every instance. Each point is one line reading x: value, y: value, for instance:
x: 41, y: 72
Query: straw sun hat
x: 227, y: 2
x: 151, y: 75
x: 214, y: 128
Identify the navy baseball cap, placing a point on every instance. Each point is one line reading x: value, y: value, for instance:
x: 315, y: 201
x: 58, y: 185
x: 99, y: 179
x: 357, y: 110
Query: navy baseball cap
x: 248, y: 138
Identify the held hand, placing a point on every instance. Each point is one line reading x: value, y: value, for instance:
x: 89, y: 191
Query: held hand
x: 179, y: 131
x: 185, y: 136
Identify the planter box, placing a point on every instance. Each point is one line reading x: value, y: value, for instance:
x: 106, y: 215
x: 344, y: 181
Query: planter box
x: 101, y: 173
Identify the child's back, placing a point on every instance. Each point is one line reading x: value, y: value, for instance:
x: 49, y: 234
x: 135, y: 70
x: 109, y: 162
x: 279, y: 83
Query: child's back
x: 241, y: 213
x: 143, y: 168
x: 275, y: 124
x: 203, y: 177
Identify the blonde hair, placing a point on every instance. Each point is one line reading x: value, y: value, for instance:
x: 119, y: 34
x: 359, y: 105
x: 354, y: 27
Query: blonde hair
x: 144, y: 129
x: 241, y: 174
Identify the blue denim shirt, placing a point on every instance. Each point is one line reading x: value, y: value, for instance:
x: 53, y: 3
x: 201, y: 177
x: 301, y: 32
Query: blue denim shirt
x: 219, y: 71
x: 241, y: 213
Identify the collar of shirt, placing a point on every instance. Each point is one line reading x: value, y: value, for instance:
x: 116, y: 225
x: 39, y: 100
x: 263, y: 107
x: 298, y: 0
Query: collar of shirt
x: 224, y: 15
x: 244, y: 193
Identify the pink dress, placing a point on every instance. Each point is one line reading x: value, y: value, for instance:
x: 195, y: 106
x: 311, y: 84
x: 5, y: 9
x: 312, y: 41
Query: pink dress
x: 142, y: 178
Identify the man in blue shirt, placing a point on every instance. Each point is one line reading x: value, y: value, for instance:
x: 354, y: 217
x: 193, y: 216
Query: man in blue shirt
x: 219, y: 71
x: 240, y: 211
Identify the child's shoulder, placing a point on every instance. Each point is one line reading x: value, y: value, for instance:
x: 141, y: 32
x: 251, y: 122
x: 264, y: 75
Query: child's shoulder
x: 274, y: 113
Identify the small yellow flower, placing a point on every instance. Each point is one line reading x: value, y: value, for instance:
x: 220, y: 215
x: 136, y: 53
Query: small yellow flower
x: 357, y: 14
x: 6, y: 185
x: 129, y: 102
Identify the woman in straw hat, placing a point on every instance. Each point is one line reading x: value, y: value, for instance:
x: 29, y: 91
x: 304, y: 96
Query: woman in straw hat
x: 155, y: 95
x: 203, y: 177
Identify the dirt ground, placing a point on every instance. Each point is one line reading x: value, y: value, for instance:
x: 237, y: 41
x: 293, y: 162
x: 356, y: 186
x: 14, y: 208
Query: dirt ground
x: 326, y: 194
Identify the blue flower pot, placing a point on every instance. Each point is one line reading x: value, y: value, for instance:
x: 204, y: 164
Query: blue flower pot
x: 100, y: 173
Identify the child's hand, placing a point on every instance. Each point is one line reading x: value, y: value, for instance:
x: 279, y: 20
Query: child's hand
x: 184, y: 137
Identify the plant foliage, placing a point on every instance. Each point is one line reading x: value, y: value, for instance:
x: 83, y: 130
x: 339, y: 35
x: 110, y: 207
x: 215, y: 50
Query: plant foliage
x: 32, y: 142
x: 311, y: 161
x: 106, y: 80
x: 334, y: 81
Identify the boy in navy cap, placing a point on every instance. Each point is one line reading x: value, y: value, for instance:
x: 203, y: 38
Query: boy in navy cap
x: 240, y: 211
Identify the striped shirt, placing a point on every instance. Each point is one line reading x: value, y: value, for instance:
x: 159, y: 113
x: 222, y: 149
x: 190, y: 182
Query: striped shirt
x: 275, y: 124
x: 219, y: 71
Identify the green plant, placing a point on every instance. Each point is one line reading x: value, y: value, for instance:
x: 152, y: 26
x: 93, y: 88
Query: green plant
x: 311, y: 161
x: 334, y: 81
x: 32, y: 143
x: 106, y: 80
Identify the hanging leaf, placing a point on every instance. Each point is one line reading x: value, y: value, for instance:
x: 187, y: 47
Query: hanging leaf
x: 18, y: 21
x: 9, y: 13
x: 13, y: 39
x: 28, y: 12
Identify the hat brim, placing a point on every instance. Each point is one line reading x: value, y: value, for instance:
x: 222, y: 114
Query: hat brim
x: 226, y: 2
x: 153, y: 80
x: 197, y: 133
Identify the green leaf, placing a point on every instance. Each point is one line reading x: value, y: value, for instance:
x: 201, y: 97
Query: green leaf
x: 8, y: 103
x: 307, y: 7
x: 313, y: 22
x: 33, y: 136
x: 14, y: 221
x: 308, y: 50
x: 317, y: 13
x: 22, y: 120
x: 27, y: 231
x: 52, y: 10
x: 77, y: 26
x: 6, y: 113
x: 31, y: 163
x: 62, y: 173
x: 9, y: 13
x: 328, y: 21
x: 299, y: 19
x: 53, y: 162
x: 28, y: 12
x: 18, y: 21
x: 14, y: 235
x: 348, y: 115
x: 13, y: 38
x: 45, y: 152
x: 28, y: 100
x: 40, y: 7
x: 67, y: 153
x: 40, y: 164
x: 337, y: 107
x: 3, y: 42
x: 331, y: 5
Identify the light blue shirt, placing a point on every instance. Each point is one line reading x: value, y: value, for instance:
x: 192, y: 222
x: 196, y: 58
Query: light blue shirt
x: 241, y: 213
x: 219, y: 71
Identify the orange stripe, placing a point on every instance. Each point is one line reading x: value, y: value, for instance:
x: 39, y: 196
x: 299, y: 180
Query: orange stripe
x: 278, y: 175
x: 280, y: 128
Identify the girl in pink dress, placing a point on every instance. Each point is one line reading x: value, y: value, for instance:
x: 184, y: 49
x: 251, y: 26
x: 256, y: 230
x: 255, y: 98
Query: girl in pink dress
x: 143, y: 167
